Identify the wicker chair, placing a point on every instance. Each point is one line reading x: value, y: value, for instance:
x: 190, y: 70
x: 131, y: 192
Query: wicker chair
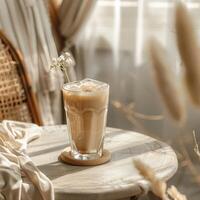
x: 17, y: 101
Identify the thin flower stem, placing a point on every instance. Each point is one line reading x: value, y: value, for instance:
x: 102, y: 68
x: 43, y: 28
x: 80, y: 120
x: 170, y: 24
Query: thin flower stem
x: 196, y: 147
x: 66, y: 75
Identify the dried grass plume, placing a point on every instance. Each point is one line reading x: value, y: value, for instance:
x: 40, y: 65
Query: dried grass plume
x: 158, y: 187
x: 175, y: 194
x: 189, y: 51
x: 166, y: 82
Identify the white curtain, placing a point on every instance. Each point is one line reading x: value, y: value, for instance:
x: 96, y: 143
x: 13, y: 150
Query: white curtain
x: 73, y: 15
x: 113, y: 49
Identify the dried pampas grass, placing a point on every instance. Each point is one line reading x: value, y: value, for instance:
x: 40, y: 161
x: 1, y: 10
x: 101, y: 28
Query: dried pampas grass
x: 196, y: 147
x: 189, y: 51
x: 175, y: 194
x: 158, y: 187
x: 165, y: 80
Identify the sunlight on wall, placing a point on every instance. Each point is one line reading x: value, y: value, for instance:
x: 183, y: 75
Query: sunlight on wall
x: 139, y: 33
x: 117, y: 25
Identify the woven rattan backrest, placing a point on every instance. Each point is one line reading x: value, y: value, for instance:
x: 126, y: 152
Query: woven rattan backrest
x: 17, y: 101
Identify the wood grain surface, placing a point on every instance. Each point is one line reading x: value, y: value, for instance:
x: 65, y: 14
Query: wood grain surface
x: 117, y: 179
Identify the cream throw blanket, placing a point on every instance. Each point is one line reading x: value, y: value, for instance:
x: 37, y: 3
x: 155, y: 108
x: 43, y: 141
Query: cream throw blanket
x: 20, y: 179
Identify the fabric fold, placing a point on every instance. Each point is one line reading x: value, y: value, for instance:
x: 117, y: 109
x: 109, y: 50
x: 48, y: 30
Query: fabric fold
x: 20, y: 179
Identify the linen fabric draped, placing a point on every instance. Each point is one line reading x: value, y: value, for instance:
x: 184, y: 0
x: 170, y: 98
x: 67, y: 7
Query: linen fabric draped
x: 20, y: 179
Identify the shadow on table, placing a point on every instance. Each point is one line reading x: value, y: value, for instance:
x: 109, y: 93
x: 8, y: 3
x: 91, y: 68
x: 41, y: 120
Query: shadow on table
x: 48, y: 150
x: 58, y: 169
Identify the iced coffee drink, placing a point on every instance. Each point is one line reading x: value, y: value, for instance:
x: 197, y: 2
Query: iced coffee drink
x: 86, y: 105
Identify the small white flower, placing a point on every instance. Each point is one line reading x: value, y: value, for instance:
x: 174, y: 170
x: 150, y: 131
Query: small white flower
x: 63, y: 62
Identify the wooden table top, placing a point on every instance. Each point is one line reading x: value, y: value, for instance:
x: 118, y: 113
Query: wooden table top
x: 114, y: 180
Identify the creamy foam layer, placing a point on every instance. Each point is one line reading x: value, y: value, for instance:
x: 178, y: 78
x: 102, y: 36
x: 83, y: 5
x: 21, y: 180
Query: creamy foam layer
x: 85, y: 87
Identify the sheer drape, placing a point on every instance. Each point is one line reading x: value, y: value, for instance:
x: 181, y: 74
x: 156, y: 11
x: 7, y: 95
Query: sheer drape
x: 113, y: 48
x: 73, y: 16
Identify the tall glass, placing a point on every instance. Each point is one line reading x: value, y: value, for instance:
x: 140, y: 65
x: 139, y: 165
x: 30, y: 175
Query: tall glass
x: 86, y: 105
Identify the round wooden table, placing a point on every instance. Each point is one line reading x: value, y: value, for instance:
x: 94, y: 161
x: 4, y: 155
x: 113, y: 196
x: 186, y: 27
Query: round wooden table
x: 117, y: 179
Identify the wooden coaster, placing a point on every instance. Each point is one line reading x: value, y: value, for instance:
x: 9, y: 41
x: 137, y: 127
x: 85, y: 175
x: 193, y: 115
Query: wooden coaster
x: 66, y: 157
